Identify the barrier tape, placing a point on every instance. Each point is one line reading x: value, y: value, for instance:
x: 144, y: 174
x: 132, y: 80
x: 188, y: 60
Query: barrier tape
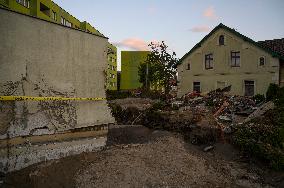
x: 21, y: 98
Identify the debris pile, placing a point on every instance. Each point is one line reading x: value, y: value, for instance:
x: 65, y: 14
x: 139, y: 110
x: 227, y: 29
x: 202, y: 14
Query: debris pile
x: 139, y: 103
x: 223, y: 106
x: 202, y: 119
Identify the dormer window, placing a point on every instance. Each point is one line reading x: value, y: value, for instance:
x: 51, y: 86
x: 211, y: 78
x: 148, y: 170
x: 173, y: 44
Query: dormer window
x: 261, y: 61
x: 221, y: 40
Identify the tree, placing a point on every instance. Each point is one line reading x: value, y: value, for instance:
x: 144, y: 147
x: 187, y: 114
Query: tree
x: 161, y: 67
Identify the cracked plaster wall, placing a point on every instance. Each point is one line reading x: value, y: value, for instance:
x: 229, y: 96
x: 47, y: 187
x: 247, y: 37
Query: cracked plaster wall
x: 39, y: 58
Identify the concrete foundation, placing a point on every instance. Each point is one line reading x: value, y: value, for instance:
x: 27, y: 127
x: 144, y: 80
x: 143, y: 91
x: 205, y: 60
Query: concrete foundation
x: 23, y: 156
x: 39, y: 58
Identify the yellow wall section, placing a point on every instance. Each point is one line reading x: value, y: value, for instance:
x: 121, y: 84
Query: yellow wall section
x: 222, y: 71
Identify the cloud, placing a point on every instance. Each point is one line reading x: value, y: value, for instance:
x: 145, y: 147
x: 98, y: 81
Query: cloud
x: 201, y: 28
x: 210, y: 13
x: 152, y: 10
x: 133, y: 43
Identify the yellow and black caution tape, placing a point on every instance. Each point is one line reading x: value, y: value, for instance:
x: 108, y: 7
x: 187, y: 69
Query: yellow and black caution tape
x: 21, y: 98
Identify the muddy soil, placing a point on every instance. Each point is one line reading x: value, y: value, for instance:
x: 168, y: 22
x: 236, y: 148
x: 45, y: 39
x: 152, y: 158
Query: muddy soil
x: 136, y: 156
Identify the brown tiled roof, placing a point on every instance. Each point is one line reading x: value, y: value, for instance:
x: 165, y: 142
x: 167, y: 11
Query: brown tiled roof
x: 276, y: 45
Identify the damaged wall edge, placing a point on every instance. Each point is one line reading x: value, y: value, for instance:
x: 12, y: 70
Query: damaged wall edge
x: 58, y: 62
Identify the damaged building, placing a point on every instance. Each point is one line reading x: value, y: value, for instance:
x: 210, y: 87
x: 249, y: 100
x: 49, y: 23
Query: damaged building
x: 39, y: 58
x: 225, y: 57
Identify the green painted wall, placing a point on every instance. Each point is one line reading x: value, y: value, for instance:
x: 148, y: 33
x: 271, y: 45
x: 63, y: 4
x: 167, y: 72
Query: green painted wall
x: 4, y: 3
x: 111, y: 71
x: 12, y: 4
x: 85, y: 26
x: 35, y: 9
x: 130, y: 61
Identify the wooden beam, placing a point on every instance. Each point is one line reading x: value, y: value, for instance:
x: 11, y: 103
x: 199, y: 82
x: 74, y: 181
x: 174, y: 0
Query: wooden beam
x: 67, y: 136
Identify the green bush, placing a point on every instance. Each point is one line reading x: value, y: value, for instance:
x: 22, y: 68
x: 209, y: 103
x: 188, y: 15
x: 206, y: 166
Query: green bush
x: 114, y: 94
x: 259, y: 98
x: 152, y: 94
x: 160, y: 105
x: 264, y: 137
x: 272, y: 92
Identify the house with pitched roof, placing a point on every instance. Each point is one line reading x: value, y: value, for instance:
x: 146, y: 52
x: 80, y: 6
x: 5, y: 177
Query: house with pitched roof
x: 225, y: 57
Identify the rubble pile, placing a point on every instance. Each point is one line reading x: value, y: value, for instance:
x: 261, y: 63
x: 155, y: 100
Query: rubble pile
x: 200, y: 118
x: 224, y: 106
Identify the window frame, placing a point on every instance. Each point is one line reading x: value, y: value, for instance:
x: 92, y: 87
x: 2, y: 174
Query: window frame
x: 188, y: 66
x: 199, y: 85
x: 54, y: 15
x: 254, y: 86
x: 25, y: 3
x: 208, y: 62
x: 221, y: 42
x: 259, y: 61
x: 234, y: 58
x: 65, y: 22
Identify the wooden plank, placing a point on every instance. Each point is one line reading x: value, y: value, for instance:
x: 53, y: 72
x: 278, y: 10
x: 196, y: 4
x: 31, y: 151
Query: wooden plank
x: 52, y: 138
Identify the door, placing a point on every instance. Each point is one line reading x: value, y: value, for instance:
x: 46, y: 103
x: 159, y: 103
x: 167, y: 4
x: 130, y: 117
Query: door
x: 249, y: 88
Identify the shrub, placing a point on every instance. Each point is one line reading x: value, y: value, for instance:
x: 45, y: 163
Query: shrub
x: 114, y: 94
x: 264, y: 137
x: 259, y: 98
x: 160, y: 105
x: 263, y: 141
x: 272, y: 92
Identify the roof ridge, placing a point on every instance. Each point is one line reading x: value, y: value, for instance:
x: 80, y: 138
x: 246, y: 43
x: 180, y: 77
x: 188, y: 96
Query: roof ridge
x: 245, y: 38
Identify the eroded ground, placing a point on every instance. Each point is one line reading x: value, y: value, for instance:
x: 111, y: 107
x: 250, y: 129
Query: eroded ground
x: 140, y: 157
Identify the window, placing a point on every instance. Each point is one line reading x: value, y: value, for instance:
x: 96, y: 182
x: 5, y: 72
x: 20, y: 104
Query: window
x: 62, y: 21
x: 249, y: 88
x: 221, y: 40
x: 188, y: 66
x: 261, y: 61
x: 53, y: 15
x: 196, y: 87
x: 44, y: 9
x: 68, y: 24
x: 65, y: 22
x: 25, y: 3
x: 235, y: 59
x: 209, y: 61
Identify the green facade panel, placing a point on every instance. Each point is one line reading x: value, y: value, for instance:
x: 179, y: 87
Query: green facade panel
x: 130, y: 61
x: 50, y: 11
x: 112, y: 68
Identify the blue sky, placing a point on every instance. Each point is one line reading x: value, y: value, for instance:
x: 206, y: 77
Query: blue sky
x: 132, y: 24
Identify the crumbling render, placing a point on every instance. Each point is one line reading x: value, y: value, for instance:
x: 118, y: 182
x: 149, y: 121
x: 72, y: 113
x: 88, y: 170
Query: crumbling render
x: 36, y: 131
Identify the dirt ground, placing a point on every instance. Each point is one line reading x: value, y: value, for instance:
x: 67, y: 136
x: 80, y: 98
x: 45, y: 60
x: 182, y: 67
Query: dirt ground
x: 139, y: 103
x: 136, y: 156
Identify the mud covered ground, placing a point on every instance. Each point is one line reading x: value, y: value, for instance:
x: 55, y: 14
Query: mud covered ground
x: 136, y: 156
